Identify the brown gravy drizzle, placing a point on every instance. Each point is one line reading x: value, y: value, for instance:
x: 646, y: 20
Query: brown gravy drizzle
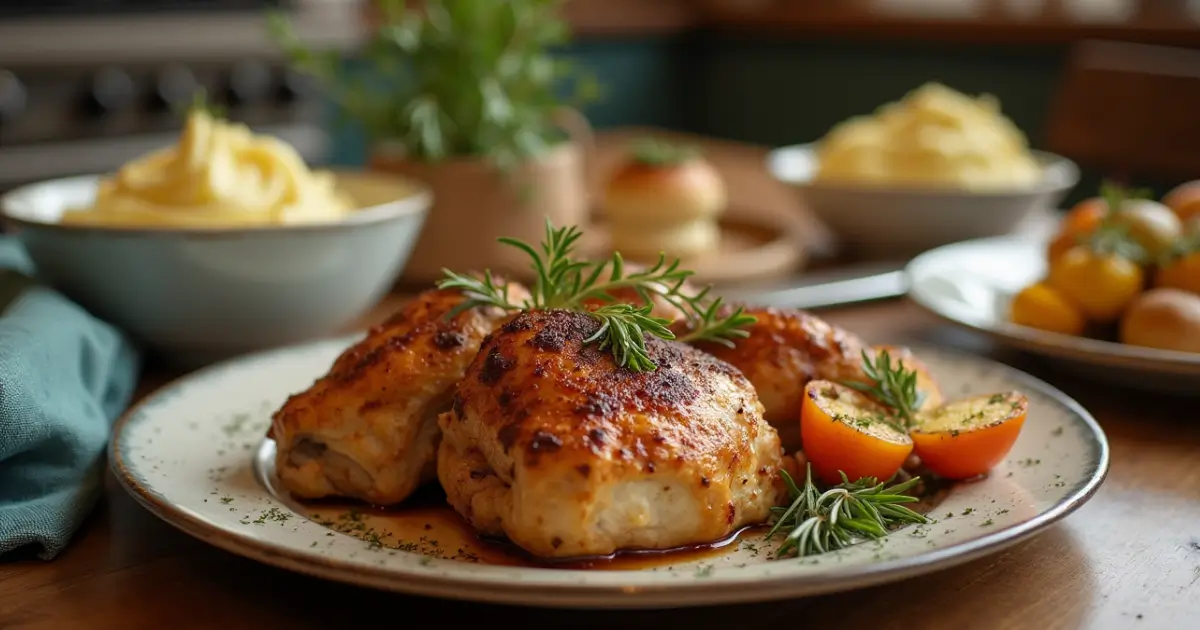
x: 427, y: 525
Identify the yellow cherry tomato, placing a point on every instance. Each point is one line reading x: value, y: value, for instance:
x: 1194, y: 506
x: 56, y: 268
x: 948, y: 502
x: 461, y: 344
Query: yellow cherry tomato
x: 1150, y: 224
x: 1040, y: 306
x: 1182, y: 272
x: 1101, y: 285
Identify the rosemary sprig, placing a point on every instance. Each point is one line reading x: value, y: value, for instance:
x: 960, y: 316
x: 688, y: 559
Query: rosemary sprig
x: 851, y: 512
x: 562, y: 282
x: 892, y: 384
x: 1111, y: 237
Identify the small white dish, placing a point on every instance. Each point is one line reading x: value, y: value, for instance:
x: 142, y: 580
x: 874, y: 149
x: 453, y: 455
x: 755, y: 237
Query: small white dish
x: 972, y: 283
x: 194, y: 454
x: 889, y: 220
x: 195, y: 295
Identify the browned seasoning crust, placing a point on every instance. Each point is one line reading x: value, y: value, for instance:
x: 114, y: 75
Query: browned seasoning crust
x: 552, y: 444
x: 368, y: 428
x: 786, y: 349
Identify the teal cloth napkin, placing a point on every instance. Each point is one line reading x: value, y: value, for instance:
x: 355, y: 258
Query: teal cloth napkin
x: 64, y: 377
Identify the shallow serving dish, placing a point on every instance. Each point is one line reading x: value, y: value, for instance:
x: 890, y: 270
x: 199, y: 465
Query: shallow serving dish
x: 196, y: 295
x: 972, y: 283
x: 890, y: 220
x: 213, y: 477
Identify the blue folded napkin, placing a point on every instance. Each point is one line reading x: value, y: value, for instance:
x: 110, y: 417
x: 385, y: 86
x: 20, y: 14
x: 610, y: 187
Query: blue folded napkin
x: 64, y: 377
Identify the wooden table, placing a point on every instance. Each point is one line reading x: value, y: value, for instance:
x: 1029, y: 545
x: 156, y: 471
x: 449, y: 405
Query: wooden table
x: 1130, y: 558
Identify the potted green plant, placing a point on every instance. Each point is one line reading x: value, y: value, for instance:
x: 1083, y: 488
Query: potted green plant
x: 465, y: 95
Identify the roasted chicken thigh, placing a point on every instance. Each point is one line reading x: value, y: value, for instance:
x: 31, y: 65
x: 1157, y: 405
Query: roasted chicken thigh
x: 787, y: 348
x: 552, y: 444
x: 368, y: 428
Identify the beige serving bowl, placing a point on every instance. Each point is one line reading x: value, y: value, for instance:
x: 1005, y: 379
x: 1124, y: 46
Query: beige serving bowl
x: 887, y: 220
x: 196, y: 295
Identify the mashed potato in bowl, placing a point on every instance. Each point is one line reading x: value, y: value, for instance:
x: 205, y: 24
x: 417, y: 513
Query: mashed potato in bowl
x: 218, y: 175
x: 935, y: 138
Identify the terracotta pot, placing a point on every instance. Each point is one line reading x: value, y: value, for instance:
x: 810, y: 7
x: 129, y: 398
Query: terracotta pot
x: 474, y: 204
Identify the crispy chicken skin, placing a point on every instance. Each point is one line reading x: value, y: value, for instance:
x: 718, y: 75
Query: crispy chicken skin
x: 785, y: 350
x: 553, y: 445
x: 368, y: 428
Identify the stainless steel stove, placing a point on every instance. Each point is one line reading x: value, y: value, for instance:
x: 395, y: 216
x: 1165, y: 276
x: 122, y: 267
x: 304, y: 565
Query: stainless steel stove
x: 88, y: 84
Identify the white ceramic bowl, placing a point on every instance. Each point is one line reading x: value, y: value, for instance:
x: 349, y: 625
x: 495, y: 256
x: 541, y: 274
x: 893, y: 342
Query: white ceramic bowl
x: 888, y: 220
x: 196, y: 295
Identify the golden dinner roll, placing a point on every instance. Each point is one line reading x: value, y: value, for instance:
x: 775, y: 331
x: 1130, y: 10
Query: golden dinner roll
x: 1167, y: 319
x: 681, y: 240
x: 655, y: 195
x: 663, y: 186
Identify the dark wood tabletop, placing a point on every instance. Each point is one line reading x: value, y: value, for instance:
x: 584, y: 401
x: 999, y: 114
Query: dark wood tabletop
x: 1130, y: 558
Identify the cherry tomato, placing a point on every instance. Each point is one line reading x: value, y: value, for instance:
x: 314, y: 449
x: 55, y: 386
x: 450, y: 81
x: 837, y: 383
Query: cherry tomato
x: 1041, y: 306
x: 1181, y: 272
x: 1101, y: 285
x: 844, y: 431
x: 967, y: 438
x: 1080, y: 222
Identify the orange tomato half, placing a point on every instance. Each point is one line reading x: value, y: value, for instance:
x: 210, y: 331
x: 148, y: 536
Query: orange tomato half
x: 967, y: 438
x: 844, y: 431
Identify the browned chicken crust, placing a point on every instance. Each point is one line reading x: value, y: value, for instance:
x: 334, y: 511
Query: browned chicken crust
x: 553, y: 445
x: 786, y: 349
x: 368, y: 428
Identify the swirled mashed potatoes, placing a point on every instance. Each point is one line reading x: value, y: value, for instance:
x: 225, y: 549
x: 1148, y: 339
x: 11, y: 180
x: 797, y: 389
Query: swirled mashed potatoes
x: 220, y: 174
x: 934, y: 137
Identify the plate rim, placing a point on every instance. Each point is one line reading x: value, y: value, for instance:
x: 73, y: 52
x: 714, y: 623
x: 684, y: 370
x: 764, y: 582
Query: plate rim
x: 690, y: 593
x: 1042, y: 341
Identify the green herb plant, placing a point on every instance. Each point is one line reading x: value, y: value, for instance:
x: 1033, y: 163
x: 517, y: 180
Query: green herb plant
x: 817, y: 522
x: 455, y: 78
x: 564, y: 282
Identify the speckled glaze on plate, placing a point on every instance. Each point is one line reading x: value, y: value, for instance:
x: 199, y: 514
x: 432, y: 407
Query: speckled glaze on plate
x: 194, y: 454
x: 972, y: 283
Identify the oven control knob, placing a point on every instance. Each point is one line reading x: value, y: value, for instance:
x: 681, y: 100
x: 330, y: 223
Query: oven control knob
x: 12, y: 96
x: 175, y: 87
x: 109, y: 91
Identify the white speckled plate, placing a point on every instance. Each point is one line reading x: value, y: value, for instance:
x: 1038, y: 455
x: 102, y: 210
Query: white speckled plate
x: 972, y: 283
x: 194, y: 454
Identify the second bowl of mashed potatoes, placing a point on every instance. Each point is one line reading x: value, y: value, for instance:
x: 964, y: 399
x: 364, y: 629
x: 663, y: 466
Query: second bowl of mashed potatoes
x: 938, y: 166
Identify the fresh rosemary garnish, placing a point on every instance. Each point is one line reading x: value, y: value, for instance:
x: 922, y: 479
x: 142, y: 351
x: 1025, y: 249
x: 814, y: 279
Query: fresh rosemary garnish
x: 1111, y: 237
x: 892, y: 384
x: 562, y: 282
x: 851, y: 512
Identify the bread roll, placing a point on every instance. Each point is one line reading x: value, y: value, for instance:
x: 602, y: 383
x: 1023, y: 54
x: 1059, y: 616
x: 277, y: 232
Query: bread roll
x: 662, y: 195
x: 679, y: 240
x: 664, y: 199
